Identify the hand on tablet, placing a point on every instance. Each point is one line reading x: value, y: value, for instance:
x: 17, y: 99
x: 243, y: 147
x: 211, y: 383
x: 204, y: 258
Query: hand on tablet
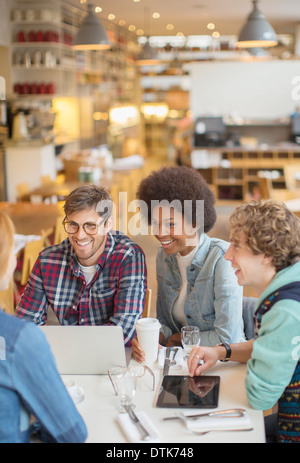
x: 209, y: 357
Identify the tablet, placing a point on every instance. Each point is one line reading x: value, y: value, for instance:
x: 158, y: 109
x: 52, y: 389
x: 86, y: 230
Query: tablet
x: 188, y: 392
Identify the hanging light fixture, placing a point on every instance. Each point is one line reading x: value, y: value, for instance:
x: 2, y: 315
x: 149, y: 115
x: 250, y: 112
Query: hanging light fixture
x: 91, y: 34
x: 148, y: 55
x: 257, y: 32
x: 259, y: 53
x: 175, y: 66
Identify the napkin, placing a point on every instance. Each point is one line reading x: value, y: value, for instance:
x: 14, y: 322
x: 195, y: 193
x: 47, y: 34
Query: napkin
x: 218, y: 423
x: 21, y: 240
x: 134, y: 161
x: 131, y: 431
x: 179, y: 359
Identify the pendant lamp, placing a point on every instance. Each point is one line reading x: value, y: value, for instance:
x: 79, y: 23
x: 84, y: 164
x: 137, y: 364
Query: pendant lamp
x: 91, y: 34
x: 147, y: 56
x: 257, y: 32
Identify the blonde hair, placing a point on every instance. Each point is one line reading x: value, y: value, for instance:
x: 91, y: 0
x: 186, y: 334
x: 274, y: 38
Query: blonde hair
x: 6, y: 241
x: 270, y: 228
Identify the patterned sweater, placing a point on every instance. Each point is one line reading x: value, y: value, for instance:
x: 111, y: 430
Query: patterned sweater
x: 273, y: 373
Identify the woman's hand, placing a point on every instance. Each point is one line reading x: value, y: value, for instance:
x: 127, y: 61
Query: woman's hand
x: 137, y: 352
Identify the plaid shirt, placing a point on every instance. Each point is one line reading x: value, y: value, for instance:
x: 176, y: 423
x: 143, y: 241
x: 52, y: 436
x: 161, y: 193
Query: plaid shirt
x: 115, y: 296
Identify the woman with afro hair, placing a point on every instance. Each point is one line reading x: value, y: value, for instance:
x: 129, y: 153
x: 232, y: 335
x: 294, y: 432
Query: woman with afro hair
x: 196, y: 285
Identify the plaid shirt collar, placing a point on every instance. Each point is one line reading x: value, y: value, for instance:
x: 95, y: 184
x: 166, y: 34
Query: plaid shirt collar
x: 108, y: 248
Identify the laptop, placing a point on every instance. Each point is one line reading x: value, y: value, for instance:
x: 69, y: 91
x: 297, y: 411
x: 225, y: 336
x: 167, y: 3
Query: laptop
x: 86, y: 350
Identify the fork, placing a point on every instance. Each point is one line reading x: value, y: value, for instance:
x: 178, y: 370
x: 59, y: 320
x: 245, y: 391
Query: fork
x: 202, y: 433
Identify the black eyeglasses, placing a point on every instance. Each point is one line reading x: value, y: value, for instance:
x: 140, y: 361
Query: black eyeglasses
x: 90, y: 228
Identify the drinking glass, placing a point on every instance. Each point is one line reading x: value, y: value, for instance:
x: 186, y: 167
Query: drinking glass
x: 124, y: 384
x: 190, y: 338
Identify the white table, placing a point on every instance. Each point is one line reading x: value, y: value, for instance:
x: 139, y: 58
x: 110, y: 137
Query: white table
x: 99, y: 408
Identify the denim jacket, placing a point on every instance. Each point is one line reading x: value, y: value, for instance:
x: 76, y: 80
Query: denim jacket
x: 214, y: 298
x: 31, y: 385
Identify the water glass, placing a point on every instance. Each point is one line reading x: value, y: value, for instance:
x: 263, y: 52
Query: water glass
x: 124, y: 384
x: 190, y: 338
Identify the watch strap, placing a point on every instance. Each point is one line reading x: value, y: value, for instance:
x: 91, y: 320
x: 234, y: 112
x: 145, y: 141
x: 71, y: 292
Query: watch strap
x: 228, y: 351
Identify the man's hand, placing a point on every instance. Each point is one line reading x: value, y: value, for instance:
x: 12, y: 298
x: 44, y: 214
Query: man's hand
x: 209, y: 357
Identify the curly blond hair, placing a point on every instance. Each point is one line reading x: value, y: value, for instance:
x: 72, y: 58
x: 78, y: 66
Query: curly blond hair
x: 270, y: 228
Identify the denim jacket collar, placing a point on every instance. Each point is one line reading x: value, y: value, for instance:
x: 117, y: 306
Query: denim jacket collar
x: 199, y: 257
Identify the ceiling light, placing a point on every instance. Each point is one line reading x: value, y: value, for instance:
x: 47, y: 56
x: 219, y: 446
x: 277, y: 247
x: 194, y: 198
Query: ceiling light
x: 260, y: 53
x: 148, y: 55
x: 210, y: 26
x: 257, y: 32
x: 91, y: 34
x: 156, y: 15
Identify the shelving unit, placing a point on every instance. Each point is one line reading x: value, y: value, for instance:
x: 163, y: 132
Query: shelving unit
x: 43, y: 62
x: 46, y: 68
x: 236, y: 182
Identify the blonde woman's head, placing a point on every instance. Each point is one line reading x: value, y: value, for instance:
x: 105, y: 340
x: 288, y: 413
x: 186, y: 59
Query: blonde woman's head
x: 7, y: 258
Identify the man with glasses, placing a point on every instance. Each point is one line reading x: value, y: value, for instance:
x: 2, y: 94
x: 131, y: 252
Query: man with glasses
x: 95, y: 277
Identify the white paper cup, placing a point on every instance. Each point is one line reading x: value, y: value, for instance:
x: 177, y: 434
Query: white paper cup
x: 147, y: 330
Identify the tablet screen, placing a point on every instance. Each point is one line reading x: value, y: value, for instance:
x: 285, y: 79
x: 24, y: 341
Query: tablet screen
x: 187, y: 392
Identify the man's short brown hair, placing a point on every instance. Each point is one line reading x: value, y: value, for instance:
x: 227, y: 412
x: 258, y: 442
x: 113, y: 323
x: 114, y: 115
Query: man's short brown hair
x: 89, y: 197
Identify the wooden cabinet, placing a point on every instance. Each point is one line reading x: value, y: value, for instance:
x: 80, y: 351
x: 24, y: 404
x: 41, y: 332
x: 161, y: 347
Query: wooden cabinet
x: 237, y: 175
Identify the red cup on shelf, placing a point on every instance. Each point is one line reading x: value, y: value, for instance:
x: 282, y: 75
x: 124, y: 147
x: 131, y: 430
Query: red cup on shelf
x: 33, y: 88
x: 40, y: 36
x: 31, y: 36
x: 49, y: 36
x: 50, y: 89
x: 21, y: 36
x: 42, y: 89
x: 25, y: 89
x: 17, y: 88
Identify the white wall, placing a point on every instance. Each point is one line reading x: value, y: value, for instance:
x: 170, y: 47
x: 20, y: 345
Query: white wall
x: 256, y: 90
x: 4, y: 21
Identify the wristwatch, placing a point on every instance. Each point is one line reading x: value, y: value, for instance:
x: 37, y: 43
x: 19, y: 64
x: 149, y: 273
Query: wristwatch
x: 228, y: 351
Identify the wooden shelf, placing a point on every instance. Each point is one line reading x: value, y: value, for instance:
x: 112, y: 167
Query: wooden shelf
x: 235, y: 182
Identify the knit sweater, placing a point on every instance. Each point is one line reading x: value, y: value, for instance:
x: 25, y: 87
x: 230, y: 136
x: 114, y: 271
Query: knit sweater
x: 273, y: 372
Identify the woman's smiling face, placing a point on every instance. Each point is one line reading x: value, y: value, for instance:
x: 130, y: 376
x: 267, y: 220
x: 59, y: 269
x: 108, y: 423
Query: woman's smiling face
x: 172, y: 230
